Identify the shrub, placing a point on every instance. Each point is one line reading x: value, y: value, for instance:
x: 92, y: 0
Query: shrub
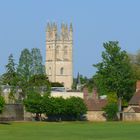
x: 2, y: 103
x: 75, y: 108
x: 58, y: 109
x: 54, y: 108
x: 33, y: 104
x: 111, y: 111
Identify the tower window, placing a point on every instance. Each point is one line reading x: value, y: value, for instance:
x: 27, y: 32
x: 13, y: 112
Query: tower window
x: 62, y: 71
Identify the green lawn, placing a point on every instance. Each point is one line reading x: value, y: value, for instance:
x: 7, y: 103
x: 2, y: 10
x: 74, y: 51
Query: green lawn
x: 70, y: 131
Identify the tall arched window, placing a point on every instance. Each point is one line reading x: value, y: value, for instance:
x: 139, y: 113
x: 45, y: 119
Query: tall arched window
x: 62, y: 71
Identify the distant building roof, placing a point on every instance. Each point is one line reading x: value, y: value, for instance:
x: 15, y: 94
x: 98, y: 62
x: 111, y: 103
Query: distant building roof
x: 95, y: 105
x: 136, y: 109
x: 135, y: 100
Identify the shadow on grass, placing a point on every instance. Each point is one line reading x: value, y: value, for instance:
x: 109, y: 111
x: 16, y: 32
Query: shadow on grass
x: 5, y: 123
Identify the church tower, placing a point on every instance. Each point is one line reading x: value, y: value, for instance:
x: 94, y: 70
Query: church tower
x: 59, y: 57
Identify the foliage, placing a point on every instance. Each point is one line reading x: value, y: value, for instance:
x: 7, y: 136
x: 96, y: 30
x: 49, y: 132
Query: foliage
x: 25, y: 65
x: 33, y: 104
x: 114, y: 73
x: 56, y: 108
x: 2, y: 103
x: 0, y: 90
x: 112, y: 98
x: 111, y: 111
x: 12, y: 94
x: 83, y: 81
x: 64, y: 109
x: 40, y: 83
x: 75, y: 107
x: 37, y: 66
x: 135, y: 62
x: 31, y: 72
x: 10, y: 77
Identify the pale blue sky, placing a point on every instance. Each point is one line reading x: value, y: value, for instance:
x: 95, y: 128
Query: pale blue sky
x: 23, y: 23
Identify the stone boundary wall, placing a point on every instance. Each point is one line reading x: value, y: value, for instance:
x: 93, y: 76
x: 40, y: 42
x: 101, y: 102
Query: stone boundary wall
x: 12, y: 112
x: 130, y: 116
x: 95, y: 116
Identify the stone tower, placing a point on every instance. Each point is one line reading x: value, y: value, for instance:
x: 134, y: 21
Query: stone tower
x: 59, y: 57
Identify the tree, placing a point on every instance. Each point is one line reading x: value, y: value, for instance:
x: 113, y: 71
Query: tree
x: 135, y: 62
x: 37, y: 66
x: 10, y: 76
x: 111, y: 110
x: 115, y: 73
x: 40, y: 83
x: 2, y: 103
x: 75, y: 108
x: 25, y: 65
x: 64, y: 109
x: 24, y: 71
x: 54, y: 108
x: 33, y: 104
x: 30, y: 68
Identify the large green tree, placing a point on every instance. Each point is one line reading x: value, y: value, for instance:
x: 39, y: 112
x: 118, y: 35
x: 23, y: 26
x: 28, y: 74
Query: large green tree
x: 135, y: 62
x: 114, y: 73
x: 37, y: 66
x: 24, y: 71
x: 25, y: 65
x: 56, y: 108
x: 9, y: 77
x: 39, y: 83
x: 33, y: 104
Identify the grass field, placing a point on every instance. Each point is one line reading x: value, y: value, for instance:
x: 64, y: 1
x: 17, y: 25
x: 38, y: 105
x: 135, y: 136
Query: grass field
x: 70, y: 131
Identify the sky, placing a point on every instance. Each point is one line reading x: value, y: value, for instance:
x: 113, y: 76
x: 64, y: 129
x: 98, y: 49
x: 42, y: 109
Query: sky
x: 23, y: 25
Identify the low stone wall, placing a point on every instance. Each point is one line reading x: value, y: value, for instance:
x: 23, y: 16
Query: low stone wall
x: 67, y: 94
x: 130, y: 116
x: 95, y: 116
x: 12, y: 112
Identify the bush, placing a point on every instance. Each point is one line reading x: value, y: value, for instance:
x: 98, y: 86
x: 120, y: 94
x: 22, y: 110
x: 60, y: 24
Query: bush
x: 111, y: 111
x: 75, y: 108
x: 58, y: 109
x: 2, y: 103
x: 33, y: 104
x: 55, y: 108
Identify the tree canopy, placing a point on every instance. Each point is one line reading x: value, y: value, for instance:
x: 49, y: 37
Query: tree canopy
x: 2, y: 103
x: 10, y: 76
x: 115, y: 73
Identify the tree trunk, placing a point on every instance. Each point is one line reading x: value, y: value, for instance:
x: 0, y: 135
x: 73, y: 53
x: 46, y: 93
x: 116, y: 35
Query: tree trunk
x: 120, y: 108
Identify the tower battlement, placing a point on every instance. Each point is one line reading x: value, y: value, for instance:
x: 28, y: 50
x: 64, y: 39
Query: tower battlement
x: 54, y: 34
